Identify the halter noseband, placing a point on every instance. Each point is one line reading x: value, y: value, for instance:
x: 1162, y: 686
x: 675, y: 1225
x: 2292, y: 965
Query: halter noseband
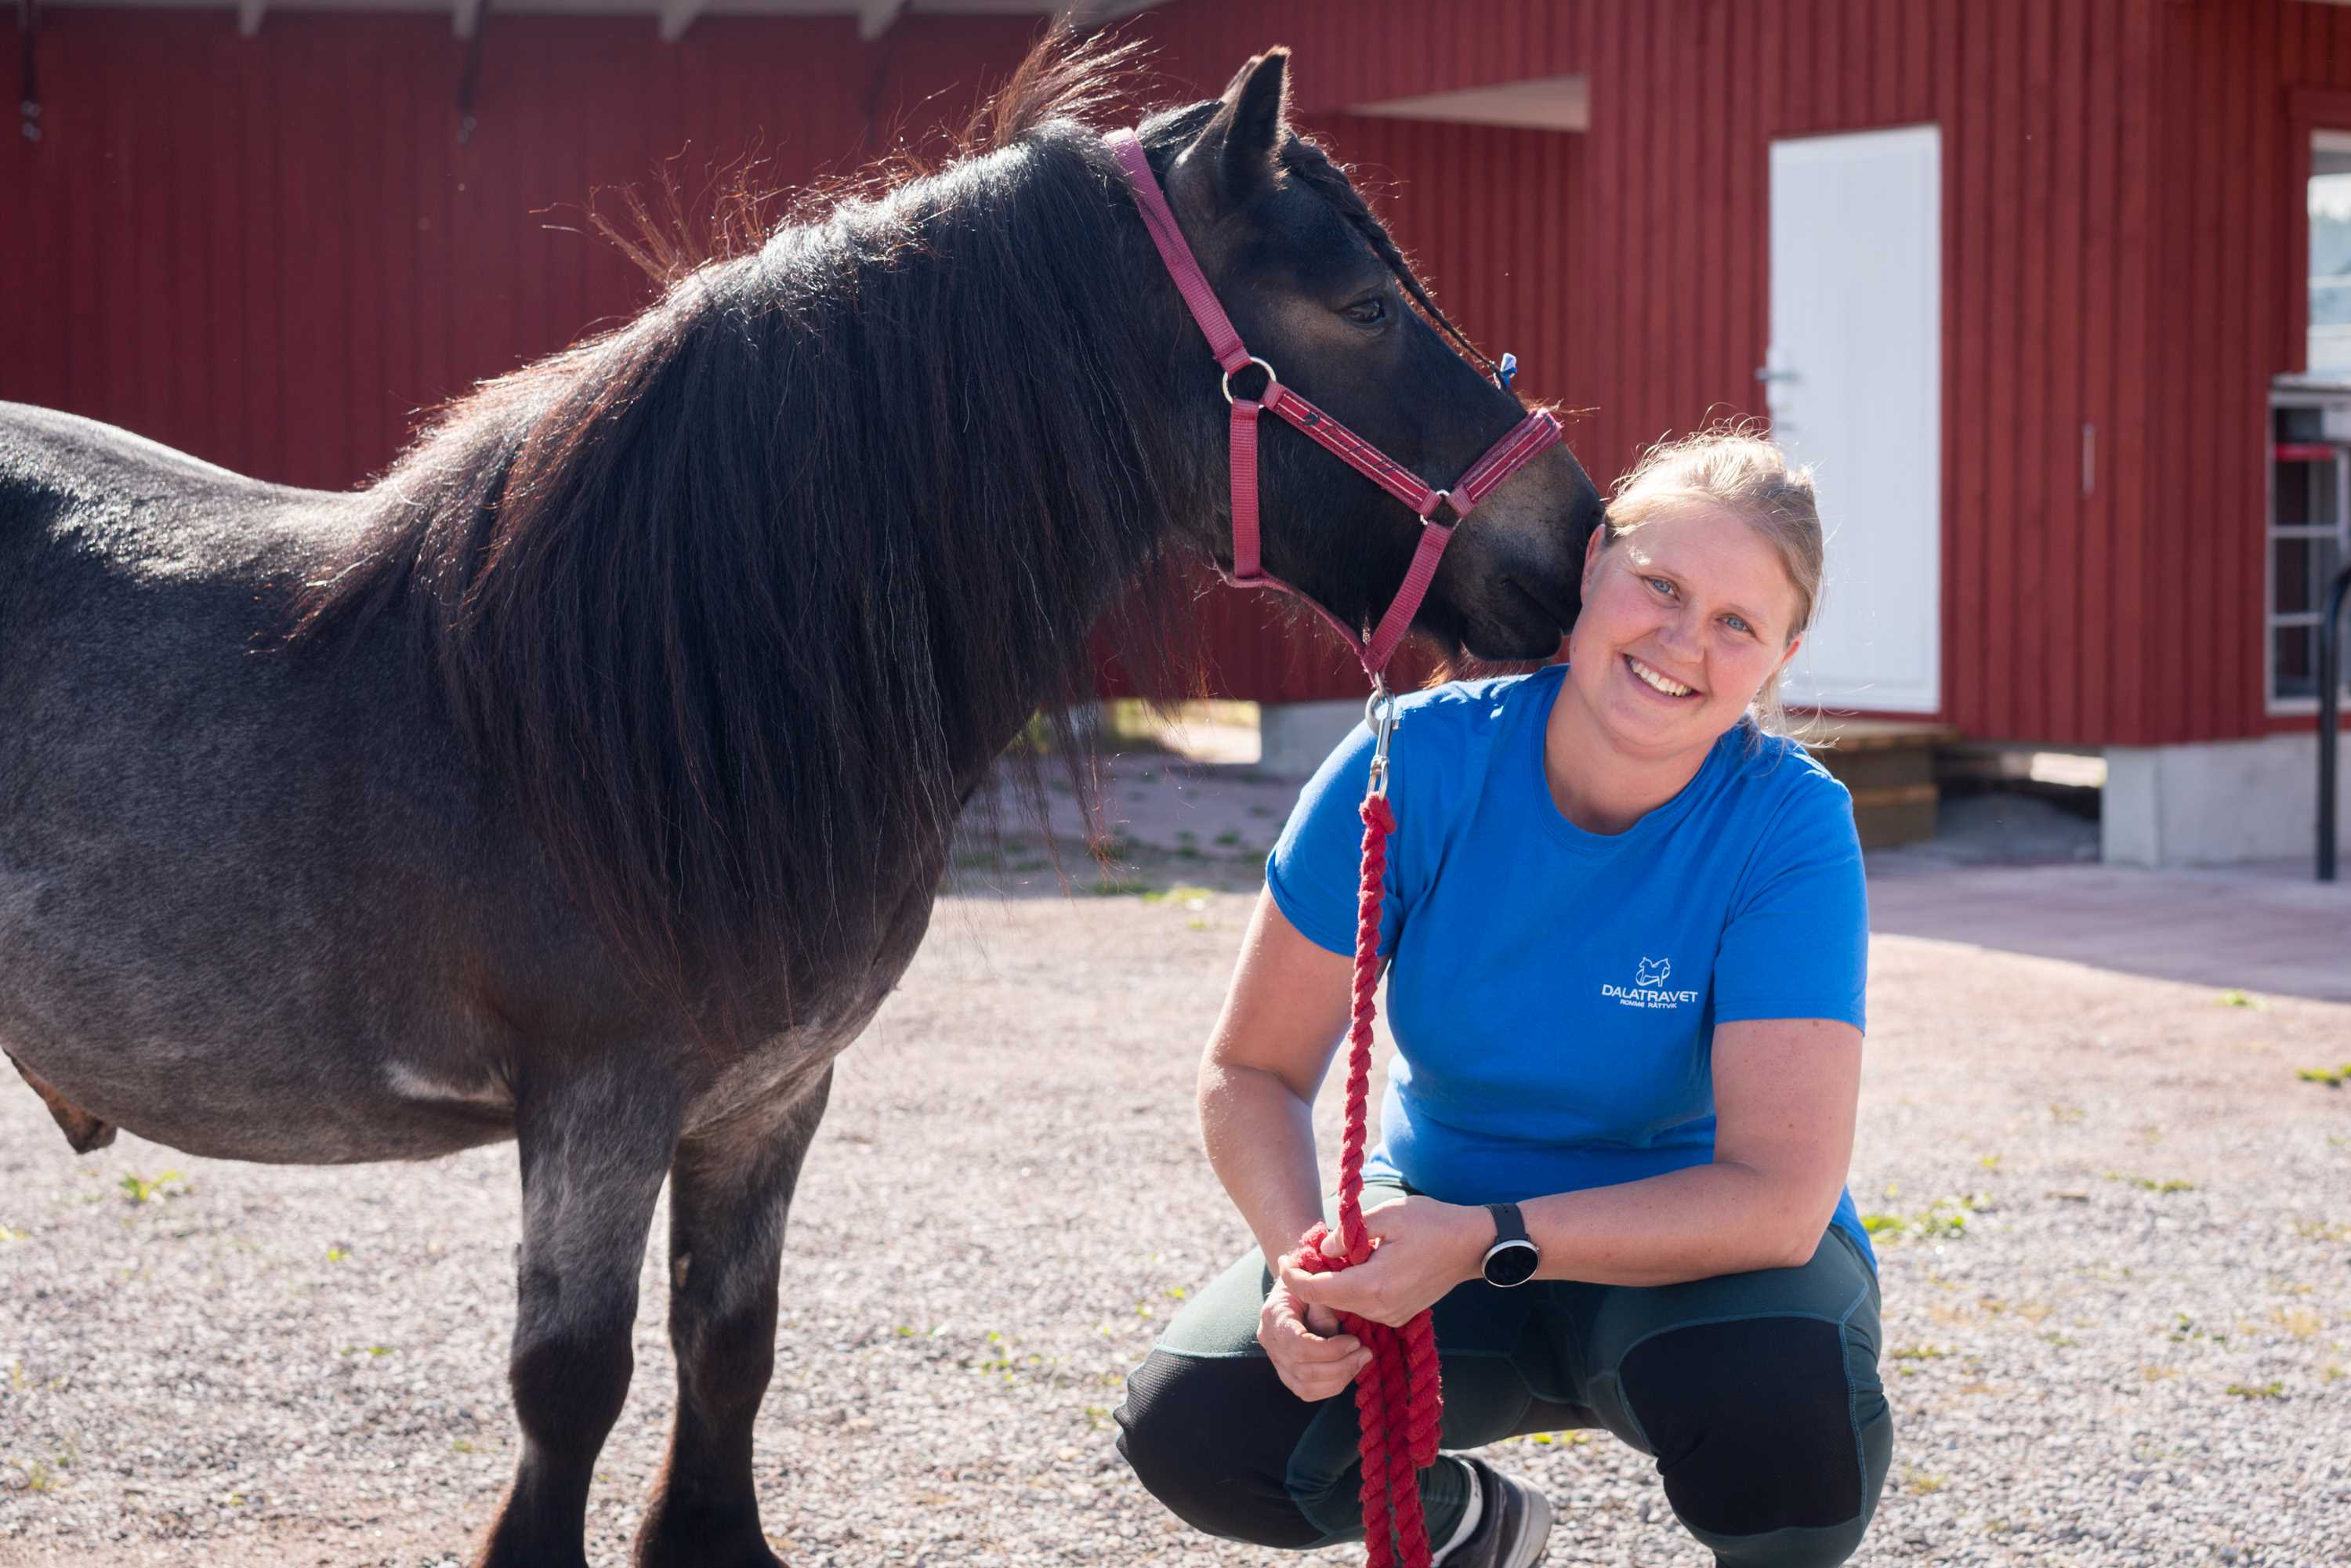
x: 1525, y: 440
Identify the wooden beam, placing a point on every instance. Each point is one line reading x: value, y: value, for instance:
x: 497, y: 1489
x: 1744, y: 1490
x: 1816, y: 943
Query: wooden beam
x: 1084, y: 14
x: 875, y: 17
x: 467, y: 17
x: 249, y: 17
x: 677, y: 16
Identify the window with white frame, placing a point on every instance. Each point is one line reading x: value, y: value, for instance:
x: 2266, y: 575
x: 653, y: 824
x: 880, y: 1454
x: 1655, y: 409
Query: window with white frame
x: 2330, y: 254
x: 2310, y: 443
x: 2310, y: 531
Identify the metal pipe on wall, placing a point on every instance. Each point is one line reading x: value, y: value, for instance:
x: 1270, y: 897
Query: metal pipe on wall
x: 2330, y: 708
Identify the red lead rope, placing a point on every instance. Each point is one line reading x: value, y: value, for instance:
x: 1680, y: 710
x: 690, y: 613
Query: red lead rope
x: 1398, y: 1405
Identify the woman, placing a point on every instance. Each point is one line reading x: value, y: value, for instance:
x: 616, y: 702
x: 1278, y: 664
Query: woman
x: 1627, y: 946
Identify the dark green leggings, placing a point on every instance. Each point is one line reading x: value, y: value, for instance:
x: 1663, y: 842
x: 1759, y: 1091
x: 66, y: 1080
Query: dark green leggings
x: 1757, y: 1394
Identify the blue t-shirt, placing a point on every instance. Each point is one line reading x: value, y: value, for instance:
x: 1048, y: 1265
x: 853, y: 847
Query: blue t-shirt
x: 1553, y: 992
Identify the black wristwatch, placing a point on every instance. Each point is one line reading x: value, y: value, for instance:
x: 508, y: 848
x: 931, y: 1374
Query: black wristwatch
x: 1511, y: 1260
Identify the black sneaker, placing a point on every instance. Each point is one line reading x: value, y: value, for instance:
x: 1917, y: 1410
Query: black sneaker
x: 1512, y: 1527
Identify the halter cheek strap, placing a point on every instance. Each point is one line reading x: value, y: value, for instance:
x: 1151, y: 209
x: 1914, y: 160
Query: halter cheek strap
x: 1516, y: 447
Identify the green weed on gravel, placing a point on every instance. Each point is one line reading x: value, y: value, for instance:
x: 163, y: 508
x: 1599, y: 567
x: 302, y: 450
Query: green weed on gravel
x: 2149, y: 1184
x: 138, y: 1189
x: 1184, y: 893
x: 1946, y: 1217
x: 2271, y: 1390
x: 2333, y: 1078
x: 2184, y: 1329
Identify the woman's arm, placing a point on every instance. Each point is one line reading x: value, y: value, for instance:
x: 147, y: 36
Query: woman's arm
x: 1282, y: 1020
x: 1786, y: 1092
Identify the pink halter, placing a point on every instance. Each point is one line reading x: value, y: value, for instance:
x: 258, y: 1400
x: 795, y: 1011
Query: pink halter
x: 1530, y: 436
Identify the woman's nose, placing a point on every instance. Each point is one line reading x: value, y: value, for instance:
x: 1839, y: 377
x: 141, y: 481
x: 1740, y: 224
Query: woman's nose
x: 1679, y: 633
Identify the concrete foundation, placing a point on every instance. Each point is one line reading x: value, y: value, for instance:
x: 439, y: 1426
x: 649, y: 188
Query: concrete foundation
x: 2218, y: 802
x: 1294, y: 738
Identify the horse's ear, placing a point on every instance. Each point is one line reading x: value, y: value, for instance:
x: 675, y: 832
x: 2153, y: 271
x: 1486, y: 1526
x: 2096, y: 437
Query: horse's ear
x: 1248, y: 132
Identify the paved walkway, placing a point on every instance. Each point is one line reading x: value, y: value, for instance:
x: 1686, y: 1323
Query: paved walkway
x: 2008, y: 872
x: 2264, y: 927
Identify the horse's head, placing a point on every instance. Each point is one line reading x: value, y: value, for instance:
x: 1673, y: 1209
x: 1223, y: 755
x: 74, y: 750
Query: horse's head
x: 1316, y: 287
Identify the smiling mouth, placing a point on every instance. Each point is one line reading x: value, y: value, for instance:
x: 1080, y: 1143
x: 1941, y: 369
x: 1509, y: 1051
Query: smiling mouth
x: 1658, y: 684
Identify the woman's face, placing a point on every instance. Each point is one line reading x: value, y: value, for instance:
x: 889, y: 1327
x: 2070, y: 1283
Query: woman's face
x: 1695, y: 599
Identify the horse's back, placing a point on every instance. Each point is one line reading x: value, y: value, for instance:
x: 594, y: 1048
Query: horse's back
x: 205, y: 841
x: 103, y: 491
x: 65, y: 451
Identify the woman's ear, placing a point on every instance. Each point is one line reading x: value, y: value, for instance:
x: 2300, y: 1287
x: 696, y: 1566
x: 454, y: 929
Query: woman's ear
x: 1592, y: 546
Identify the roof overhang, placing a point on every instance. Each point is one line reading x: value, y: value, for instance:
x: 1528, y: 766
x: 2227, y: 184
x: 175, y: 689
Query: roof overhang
x: 1542, y: 103
x: 874, y: 17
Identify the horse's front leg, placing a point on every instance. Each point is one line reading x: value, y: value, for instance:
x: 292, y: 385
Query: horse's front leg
x: 595, y: 1139
x: 730, y: 1190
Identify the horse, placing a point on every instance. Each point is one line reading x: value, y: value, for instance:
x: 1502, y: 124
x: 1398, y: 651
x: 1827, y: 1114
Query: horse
x: 588, y: 778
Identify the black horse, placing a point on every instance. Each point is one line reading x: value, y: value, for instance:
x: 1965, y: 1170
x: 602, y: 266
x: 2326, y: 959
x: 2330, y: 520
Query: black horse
x: 589, y: 779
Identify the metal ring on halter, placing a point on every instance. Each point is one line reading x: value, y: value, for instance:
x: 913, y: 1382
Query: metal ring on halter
x: 1379, y: 712
x: 1269, y: 380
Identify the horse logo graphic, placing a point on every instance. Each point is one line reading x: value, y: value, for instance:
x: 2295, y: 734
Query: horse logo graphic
x: 1654, y: 971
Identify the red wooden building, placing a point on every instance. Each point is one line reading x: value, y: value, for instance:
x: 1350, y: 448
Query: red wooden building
x: 2023, y: 278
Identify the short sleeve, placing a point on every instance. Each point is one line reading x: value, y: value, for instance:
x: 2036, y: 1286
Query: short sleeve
x: 1315, y: 868
x: 1796, y: 942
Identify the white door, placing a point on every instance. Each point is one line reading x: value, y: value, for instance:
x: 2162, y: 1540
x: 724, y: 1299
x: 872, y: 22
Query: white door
x: 1854, y: 382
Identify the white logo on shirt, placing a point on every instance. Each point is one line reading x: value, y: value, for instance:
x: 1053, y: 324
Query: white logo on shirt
x: 1644, y: 992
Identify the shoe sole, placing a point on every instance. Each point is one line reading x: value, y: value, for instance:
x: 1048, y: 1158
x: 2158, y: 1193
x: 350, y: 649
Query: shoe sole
x: 1536, y: 1540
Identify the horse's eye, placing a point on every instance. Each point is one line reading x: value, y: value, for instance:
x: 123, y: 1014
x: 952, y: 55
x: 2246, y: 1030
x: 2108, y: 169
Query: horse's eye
x: 1367, y: 312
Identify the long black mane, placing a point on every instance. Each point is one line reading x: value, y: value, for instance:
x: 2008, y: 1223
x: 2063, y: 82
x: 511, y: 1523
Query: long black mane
x: 741, y: 598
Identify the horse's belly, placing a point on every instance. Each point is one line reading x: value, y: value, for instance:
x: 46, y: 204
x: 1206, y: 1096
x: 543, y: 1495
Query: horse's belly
x: 226, y: 1057
x: 280, y: 1115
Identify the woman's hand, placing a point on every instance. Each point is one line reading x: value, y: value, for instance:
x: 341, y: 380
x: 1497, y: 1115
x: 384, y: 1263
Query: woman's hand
x: 1425, y: 1247
x: 1314, y: 1359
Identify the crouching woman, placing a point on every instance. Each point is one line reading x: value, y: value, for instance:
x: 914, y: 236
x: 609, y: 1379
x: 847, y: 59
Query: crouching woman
x: 1625, y: 944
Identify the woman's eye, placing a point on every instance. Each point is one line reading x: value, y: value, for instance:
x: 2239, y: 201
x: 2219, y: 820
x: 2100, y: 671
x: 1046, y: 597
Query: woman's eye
x: 1735, y: 621
x: 1365, y: 312
x: 1661, y: 585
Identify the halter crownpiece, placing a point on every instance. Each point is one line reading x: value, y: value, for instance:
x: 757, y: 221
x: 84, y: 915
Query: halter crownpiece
x: 1516, y: 447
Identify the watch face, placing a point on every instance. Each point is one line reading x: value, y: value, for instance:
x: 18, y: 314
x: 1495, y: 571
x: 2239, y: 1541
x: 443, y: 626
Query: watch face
x: 1511, y: 1263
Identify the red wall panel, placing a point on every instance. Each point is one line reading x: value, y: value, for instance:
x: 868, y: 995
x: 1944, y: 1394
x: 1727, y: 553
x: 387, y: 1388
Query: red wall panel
x: 273, y: 252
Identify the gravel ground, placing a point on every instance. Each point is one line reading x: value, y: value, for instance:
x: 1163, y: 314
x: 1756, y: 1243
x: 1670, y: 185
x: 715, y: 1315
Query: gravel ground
x: 2118, y: 1291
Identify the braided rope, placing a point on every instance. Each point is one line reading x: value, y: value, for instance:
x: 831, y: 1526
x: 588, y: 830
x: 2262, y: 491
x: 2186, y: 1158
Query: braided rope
x: 1399, y: 1405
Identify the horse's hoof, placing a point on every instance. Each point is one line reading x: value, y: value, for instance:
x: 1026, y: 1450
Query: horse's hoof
x: 660, y: 1548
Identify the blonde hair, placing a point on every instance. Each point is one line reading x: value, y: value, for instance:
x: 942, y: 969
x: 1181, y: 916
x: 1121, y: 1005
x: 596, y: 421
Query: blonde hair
x: 1734, y: 469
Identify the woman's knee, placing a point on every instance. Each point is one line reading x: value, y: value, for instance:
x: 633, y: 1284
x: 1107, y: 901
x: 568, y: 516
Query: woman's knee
x: 1771, y: 1436
x: 1211, y: 1437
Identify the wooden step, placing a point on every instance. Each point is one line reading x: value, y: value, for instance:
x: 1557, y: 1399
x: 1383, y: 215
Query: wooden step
x: 1889, y: 767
